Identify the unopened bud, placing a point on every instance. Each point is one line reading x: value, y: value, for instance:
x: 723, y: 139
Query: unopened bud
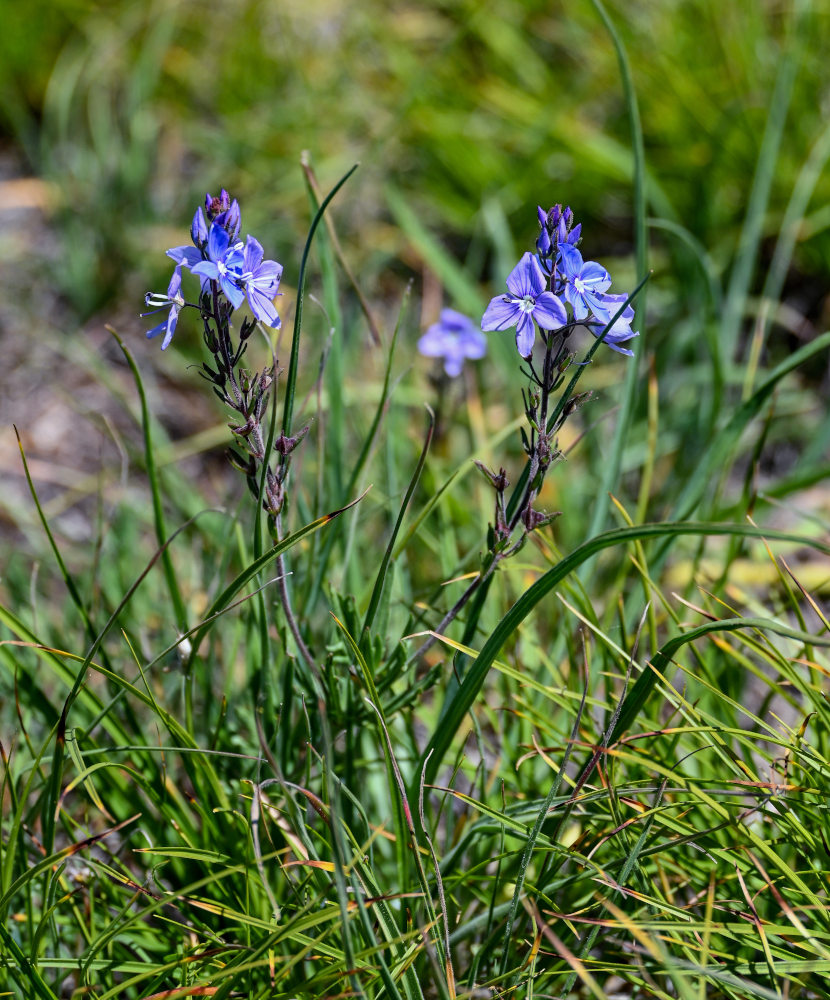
x: 498, y: 481
x: 533, y: 519
x: 285, y: 445
x: 199, y: 229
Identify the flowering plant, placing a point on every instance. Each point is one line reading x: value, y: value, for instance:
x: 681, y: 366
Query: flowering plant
x: 230, y: 272
x: 553, y: 291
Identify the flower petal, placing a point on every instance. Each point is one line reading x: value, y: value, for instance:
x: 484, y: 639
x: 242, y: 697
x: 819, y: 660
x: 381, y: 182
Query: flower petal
x: 595, y: 276
x: 570, y: 261
x: 175, y: 286
x: 253, y: 254
x: 577, y: 301
x: 263, y: 308
x: 218, y: 242
x: 172, y: 319
x: 549, y: 312
x: 473, y: 344
x: 206, y: 269
x: 502, y: 313
x: 232, y: 292
x: 266, y: 278
x: 615, y: 345
x: 525, y: 335
x: 156, y: 329
x: 456, y: 322
x: 189, y: 256
x: 598, y: 306
x: 435, y: 342
x: 526, y: 278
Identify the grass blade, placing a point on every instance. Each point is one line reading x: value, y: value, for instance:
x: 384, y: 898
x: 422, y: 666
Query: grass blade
x: 377, y: 590
x: 291, y: 378
x: 611, y: 466
x: 738, y: 290
x: 155, y: 491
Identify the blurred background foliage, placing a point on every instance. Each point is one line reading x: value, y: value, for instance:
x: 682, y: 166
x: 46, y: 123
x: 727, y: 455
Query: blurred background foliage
x: 471, y: 113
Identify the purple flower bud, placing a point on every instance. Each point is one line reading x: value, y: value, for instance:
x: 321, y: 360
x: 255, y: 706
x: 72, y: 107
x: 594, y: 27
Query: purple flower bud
x: 215, y: 206
x: 230, y: 220
x: 199, y: 229
x: 568, y: 216
x: 542, y: 215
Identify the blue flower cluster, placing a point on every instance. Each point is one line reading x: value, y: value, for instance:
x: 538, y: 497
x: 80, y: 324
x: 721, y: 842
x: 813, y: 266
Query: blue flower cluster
x: 540, y: 282
x: 227, y: 268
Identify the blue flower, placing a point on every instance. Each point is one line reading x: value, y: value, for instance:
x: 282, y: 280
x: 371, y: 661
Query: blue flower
x: 454, y: 337
x: 528, y: 303
x: 621, y: 331
x: 261, y: 279
x: 172, y: 300
x: 225, y: 264
x: 584, y: 282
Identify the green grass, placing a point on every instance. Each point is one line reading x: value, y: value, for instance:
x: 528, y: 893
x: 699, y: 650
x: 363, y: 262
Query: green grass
x: 610, y: 777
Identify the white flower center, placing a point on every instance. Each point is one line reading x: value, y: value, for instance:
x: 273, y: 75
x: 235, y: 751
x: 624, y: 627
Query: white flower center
x: 527, y: 304
x: 579, y: 285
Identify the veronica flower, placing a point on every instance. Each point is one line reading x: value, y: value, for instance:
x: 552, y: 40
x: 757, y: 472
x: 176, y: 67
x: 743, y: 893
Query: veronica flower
x: 527, y: 304
x: 454, y: 337
x: 172, y: 300
x: 225, y: 264
x: 620, y: 331
x: 585, y: 282
x: 261, y: 279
